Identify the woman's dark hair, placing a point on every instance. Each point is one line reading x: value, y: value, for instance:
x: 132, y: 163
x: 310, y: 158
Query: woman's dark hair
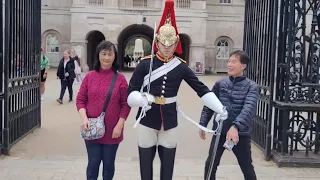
x: 108, y: 46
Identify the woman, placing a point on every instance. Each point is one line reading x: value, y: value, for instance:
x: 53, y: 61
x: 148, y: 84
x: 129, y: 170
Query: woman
x: 66, y: 75
x: 44, y: 66
x: 76, y: 59
x: 90, y: 100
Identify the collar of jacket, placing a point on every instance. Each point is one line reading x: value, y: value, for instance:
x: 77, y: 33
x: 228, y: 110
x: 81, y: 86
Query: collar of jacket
x: 237, y: 79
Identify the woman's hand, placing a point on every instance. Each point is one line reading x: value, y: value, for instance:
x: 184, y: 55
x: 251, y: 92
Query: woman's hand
x: 85, y: 125
x: 117, y: 130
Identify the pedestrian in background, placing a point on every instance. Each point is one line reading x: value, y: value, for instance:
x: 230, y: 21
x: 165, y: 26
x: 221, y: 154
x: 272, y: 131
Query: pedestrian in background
x: 44, y: 66
x: 76, y: 59
x: 66, y: 75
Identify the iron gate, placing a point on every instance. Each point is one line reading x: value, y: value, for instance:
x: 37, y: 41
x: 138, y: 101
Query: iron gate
x: 282, y: 39
x: 21, y: 37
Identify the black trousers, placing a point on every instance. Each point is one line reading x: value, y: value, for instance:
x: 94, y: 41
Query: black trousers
x: 66, y: 83
x: 243, y: 153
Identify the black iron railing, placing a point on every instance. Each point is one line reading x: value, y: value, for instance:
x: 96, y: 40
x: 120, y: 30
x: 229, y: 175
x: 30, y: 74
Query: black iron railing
x: 259, y: 42
x: 282, y: 39
x: 22, y: 41
x: 2, y: 96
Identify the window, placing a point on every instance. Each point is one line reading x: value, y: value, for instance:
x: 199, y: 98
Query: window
x: 52, y: 43
x: 95, y: 2
x: 225, y: 1
x: 140, y: 3
x: 223, y: 49
x: 183, y: 4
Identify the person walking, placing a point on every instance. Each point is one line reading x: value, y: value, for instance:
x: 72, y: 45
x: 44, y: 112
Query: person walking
x: 44, y: 67
x: 77, y: 64
x: 66, y: 75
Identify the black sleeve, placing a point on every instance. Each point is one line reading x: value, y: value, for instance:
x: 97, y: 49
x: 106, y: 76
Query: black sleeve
x: 137, y: 78
x: 72, y: 67
x: 193, y: 81
x: 244, y: 120
x: 58, y: 69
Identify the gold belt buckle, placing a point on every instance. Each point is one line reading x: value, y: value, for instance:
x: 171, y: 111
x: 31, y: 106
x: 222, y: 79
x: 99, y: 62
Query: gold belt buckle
x: 160, y: 100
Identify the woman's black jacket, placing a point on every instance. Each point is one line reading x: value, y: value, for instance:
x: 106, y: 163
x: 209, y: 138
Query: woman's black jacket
x: 70, y: 67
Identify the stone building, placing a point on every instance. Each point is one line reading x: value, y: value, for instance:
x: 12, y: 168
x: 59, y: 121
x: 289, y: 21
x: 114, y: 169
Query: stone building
x: 209, y: 29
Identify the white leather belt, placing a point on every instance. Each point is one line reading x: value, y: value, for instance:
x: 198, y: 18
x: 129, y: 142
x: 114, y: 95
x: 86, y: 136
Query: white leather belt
x: 165, y: 100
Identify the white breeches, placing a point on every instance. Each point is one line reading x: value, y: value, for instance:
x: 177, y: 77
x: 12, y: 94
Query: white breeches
x: 148, y: 137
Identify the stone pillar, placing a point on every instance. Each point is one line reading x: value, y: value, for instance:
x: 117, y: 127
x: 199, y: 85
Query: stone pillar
x: 81, y: 49
x: 197, y: 59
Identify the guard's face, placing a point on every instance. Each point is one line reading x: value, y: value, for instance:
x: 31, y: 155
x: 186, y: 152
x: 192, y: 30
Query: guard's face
x: 166, y: 51
x: 235, y: 67
x: 106, y: 58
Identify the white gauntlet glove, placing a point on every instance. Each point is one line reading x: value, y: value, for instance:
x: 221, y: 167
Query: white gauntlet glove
x: 222, y: 116
x: 137, y: 99
x: 147, y: 100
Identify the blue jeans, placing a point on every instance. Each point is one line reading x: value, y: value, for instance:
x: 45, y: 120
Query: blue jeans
x: 97, y: 153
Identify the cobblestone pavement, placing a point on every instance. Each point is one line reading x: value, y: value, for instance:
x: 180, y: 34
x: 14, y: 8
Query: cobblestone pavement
x: 56, y: 151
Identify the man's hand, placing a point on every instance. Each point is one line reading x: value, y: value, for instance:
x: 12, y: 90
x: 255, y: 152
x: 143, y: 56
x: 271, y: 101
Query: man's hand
x: 202, y: 134
x: 232, y: 135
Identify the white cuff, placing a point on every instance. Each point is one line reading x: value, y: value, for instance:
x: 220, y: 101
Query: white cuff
x: 211, y: 101
x: 135, y: 99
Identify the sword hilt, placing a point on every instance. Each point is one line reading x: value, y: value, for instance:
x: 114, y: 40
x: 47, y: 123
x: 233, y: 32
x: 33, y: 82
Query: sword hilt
x: 219, y: 121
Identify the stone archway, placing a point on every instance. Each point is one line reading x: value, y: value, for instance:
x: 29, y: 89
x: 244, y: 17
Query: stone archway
x: 93, y: 38
x: 130, y: 32
x: 185, y: 43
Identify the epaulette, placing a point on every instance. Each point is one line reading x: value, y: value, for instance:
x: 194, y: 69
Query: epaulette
x: 146, y: 57
x: 182, y: 60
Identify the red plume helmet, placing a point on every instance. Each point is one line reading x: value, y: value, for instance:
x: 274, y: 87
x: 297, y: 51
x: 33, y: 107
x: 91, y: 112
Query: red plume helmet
x: 168, y: 20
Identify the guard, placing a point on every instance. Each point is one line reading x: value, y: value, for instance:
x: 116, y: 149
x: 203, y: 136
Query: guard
x: 153, y: 88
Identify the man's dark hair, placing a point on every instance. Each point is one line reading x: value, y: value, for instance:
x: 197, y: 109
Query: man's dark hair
x: 244, y: 58
x: 108, y: 46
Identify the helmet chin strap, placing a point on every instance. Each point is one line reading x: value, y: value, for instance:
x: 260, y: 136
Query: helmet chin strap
x: 166, y: 57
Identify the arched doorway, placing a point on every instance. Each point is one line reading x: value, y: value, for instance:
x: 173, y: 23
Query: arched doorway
x: 93, y: 38
x: 52, y: 46
x: 130, y: 36
x: 185, y: 43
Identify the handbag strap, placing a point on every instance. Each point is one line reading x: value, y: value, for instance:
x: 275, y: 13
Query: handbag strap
x: 110, y: 92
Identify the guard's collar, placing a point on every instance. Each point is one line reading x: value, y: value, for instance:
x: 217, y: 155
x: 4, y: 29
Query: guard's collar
x: 161, y: 58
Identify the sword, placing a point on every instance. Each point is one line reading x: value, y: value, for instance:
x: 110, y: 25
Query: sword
x: 152, y: 54
x: 143, y: 111
x: 216, y: 143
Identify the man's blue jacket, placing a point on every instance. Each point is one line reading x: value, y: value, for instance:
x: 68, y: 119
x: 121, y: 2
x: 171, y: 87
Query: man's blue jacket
x: 240, y: 96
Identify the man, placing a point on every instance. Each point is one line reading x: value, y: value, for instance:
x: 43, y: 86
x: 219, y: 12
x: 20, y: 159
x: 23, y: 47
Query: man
x: 158, y: 108
x: 239, y: 95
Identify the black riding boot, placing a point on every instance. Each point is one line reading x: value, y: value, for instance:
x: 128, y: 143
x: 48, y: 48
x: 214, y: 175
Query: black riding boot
x: 146, y: 156
x: 167, y: 157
